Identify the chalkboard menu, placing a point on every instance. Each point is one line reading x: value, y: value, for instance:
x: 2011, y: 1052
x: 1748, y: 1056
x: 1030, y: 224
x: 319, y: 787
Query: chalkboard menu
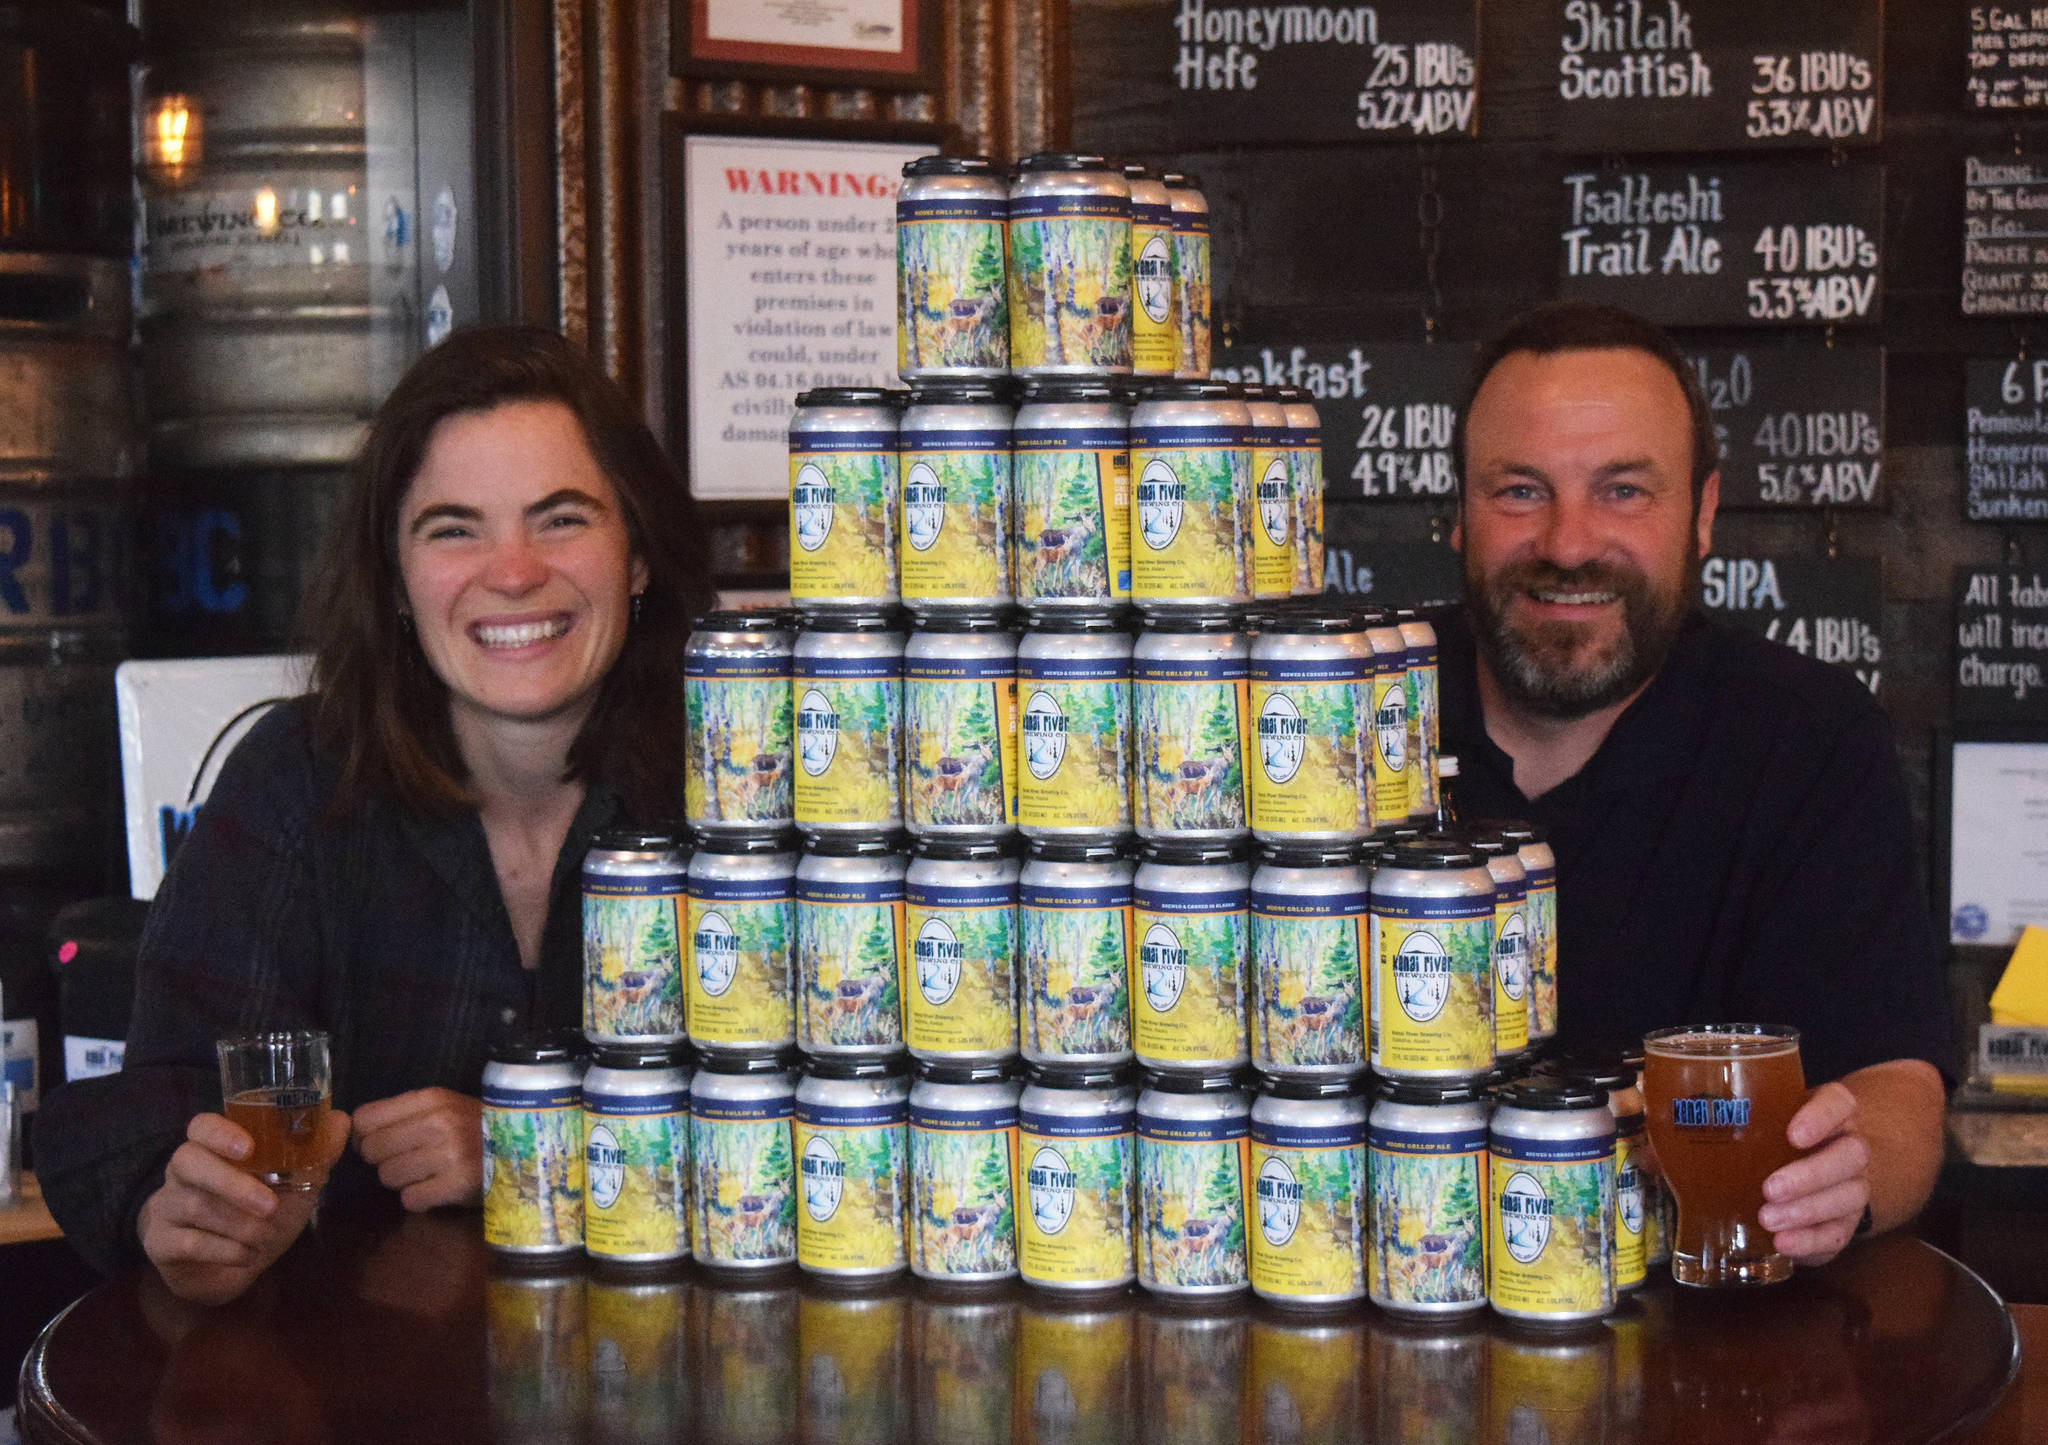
x: 2008, y: 58
x: 2005, y: 236
x: 1727, y: 243
x: 1662, y: 75
x: 1387, y: 574
x: 1387, y: 409
x: 2001, y: 658
x: 2005, y: 440
x: 1827, y: 608
x: 1800, y: 426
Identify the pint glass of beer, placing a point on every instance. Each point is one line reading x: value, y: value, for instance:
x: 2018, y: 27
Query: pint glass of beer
x: 1719, y: 1099
x: 277, y: 1086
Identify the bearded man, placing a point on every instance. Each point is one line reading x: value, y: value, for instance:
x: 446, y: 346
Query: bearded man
x: 1731, y: 827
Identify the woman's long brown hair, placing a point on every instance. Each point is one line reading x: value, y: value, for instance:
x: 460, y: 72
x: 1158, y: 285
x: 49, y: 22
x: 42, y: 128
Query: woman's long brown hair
x: 380, y: 712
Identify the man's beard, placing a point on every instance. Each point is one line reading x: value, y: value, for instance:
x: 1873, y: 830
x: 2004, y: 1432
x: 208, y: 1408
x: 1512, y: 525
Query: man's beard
x: 1542, y: 665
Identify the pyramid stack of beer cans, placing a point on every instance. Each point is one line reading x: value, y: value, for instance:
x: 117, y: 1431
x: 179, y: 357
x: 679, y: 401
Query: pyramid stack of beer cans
x: 1063, y: 897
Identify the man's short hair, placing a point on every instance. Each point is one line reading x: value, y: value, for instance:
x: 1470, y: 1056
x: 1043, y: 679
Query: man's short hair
x: 1584, y: 326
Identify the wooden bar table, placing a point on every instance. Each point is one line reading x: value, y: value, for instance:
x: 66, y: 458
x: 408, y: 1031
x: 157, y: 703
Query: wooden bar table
x: 412, y: 1334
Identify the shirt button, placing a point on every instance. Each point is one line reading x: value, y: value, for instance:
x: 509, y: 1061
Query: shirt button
x: 509, y: 1014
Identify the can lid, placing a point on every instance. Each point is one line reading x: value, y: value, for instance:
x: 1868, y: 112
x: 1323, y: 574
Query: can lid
x: 844, y: 396
x: 1177, y: 390
x: 1416, y: 1091
x: 1312, y: 619
x: 1599, y: 1067
x: 641, y: 1056
x: 556, y: 1046
x: 1077, y: 1076
x: 951, y: 166
x: 948, y: 848
x: 1061, y: 161
x: 1193, y: 852
x: 966, y: 1071
x: 1309, y: 855
x: 634, y: 840
x: 747, y: 1065
x: 1099, y: 849
x: 749, y: 845
x: 1293, y: 395
x: 1548, y: 1095
x: 1181, y: 180
x: 759, y: 619
x: 897, y: 396
x: 1053, y: 390
x: 1168, y: 1081
x: 1432, y: 851
x: 1372, y: 852
x: 1253, y: 390
x: 1091, y: 623
x: 1484, y: 841
x: 958, y: 391
x: 960, y: 621
x: 854, y: 845
x: 1310, y: 1086
x: 1137, y: 171
x: 1223, y: 619
x: 884, y: 620
x: 1515, y: 830
x: 834, y: 1066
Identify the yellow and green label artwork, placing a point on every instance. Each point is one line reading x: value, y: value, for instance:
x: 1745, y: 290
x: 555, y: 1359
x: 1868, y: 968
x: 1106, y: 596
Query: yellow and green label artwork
x: 1070, y: 282
x: 1309, y: 1183
x: 849, y: 939
x: 633, y: 954
x: 1192, y: 718
x: 742, y: 937
x: 1073, y: 513
x: 739, y: 732
x: 1191, y: 499
x: 1074, y: 728
x: 1552, y: 1237
x: 849, y: 740
x: 1192, y: 1187
x: 960, y: 741
x: 636, y: 1159
x: 956, y: 514
x: 1428, y: 1244
x: 842, y: 516
x: 1310, y: 770
x: 1075, y: 1226
x: 951, y: 290
x: 854, y: 1167
x: 963, y: 1165
x: 746, y: 1180
x: 960, y: 995
x: 533, y: 1167
x: 1433, y: 984
x: 1189, y: 983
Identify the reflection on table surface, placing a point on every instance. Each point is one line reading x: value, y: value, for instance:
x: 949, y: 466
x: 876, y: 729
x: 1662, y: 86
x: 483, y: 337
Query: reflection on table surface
x: 417, y: 1335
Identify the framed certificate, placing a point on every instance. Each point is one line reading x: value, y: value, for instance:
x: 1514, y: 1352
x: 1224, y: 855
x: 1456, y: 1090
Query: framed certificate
x: 1991, y: 832
x: 888, y: 43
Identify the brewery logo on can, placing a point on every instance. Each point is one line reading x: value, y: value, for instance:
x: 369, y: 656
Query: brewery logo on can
x: 960, y: 753
x: 742, y: 931
x: 1309, y: 1185
x: 1429, y: 1210
x: 1075, y: 728
x: 1155, y: 320
x: 1075, y: 941
x: 1311, y: 765
x: 632, y: 946
x: 853, y: 1175
x: 1188, y: 500
x: 1192, y: 1188
x: 1272, y: 495
x: 1395, y: 761
x: 746, y: 1179
x: 1633, y: 1197
x: 849, y: 739
x: 849, y: 938
x: 956, y: 508
x: 1079, y: 1169
x: 1306, y: 950
x: 1073, y: 485
x: 960, y: 916
x: 740, y: 736
x: 1070, y: 267
x: 1192, y: 717
x: 533, y: 1166
x: 1193, y: 948
x: 951, y: 290
x: 1551, y: 1246
x: 1433, y: 979
x: 842, y: 510
x: 637, y: 1166
x: 963, y: 1163
x: 1420, y: 697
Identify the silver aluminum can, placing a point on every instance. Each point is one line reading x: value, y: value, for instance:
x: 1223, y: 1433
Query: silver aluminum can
x: 1070, y: 267
x: 1310, y: 1226
x: 1305, y: 465
x: 636, y: 1155
x: 960, y: 924
x: 742, y: 925
x: 1191, y: 496
x: 1431, y: 956
x: 1393, y: 761
x: 1077, y: 1155
x: 1191, y: 275
x: 1636, y: 1179
x: 1190, y: 924
x: 848, y: 689
x: 533, y: 1136
x: 1511, y: 995
x: 1418, y: 640
x: 1192, y: 1134
x: 738, y: 723
x: 1155, y: 310
x: 1071, y: 449
x: 954, y: 442
x: 852, y: 1144
x: 1272, y: 536
x: 1426, y: 1156
x: 1074, y: 939
x: 1189, y: 684
x: 1539, y: 867
x: 849, y: 946
x: 843, y: 491
x: 634, y: 900
x: 952, y: 292
x: 1074, y: 727
x: 960, y: 726
x: 740, y: 1141
x: 1551, y: 1167
x: 1311, y: 767
x: 1308, y: 929
x: 963, y: 1148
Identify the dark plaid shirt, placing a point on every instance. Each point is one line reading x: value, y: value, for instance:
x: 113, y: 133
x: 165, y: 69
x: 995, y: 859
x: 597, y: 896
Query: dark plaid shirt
x: 387, y: 929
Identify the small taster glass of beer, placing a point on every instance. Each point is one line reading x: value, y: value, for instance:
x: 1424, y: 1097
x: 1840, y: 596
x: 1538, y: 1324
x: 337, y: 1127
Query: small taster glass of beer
x: 1719, y: 1099
x: 278, y: 1086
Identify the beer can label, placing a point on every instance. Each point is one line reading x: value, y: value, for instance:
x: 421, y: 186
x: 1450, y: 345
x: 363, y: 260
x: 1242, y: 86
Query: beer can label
x: 1393, y: 762
x: 1510, y: 972
x: 1076, y: 946
x: 951, y: 292
x: 842, y: 515
x: 960, y: 741
x: 1188, y: 1003
x: 1273, y: 516
x: 1074, y: 1373
x: 1309, y: 1186
x: 1306, y: 951
x: 1074, y: 726
x: 633, y: 954
x: 1193, y: 720
x: 1075, y: 1223
x: 849, y: 939
x: 963, y: 1166
x: 1551, y: 1249
x: 1633, y: 1199
x: 1191, y: 289
x: 742, y: 933
x: 1433, y: 984
x: 746, y: 1180
x: 1428, y: 1216
x: 1305, y: 472
x: 853, y: 1166
x: 738, y: 731
x: 1155, y: 320
x: 1192, y: 1201
x: 961, y: 994
x: 1073, y: 514
x: 956, y: 514
x: 1419, y: 694
x: 1310, y: 768
x: 1541, y: 912
x: 1191, y: 493
x: 533, y: 1168
x: 1070, y: 282
x: 849, y: 740
x: 636, y: 1161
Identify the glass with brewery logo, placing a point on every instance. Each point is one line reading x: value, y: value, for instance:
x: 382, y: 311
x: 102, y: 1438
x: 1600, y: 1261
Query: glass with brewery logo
x: 1720, y: 1097
x: 278, y: 1086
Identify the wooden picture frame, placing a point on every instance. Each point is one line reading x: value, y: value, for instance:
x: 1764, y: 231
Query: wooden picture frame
x: 773, y: 40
